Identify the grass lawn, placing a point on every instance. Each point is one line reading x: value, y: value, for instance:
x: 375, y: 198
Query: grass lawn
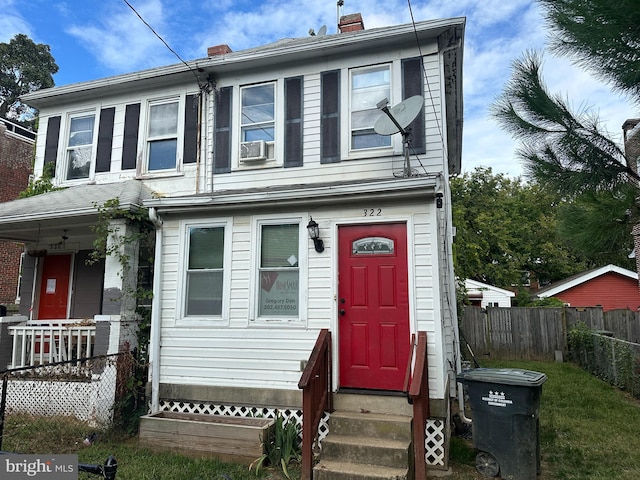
x: 589, y: 430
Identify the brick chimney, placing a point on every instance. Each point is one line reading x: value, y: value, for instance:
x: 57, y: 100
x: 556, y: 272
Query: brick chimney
x: 351, y: 23
x: 218, y: 50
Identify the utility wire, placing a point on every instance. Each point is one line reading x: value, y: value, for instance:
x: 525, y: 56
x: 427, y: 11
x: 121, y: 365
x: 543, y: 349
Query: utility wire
x: 165, y: 43
x: 424, y: 70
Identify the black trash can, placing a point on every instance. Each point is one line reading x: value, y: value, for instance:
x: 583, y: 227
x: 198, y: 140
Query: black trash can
x: 505, y: 405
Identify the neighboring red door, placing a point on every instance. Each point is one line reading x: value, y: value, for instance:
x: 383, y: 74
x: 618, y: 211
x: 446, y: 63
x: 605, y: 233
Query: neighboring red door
x: 54, y: 287
x: 373, y: 306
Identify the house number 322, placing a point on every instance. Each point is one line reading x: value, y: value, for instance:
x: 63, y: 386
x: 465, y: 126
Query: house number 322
x: 372, y: 212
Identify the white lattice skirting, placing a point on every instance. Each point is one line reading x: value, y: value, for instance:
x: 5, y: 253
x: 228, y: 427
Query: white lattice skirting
x: 90, y: 400
x: 434, y: 442
x: 434, y: 429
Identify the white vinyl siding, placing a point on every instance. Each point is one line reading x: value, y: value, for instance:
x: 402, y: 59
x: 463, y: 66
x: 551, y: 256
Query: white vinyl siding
x: 367, y: 163
x: 246, y: 353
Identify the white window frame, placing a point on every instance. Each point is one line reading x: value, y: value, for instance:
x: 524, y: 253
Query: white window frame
x: 390, y: 67
x: 275, y: 151
x: 64, y: 164
x: 179, y: 134
x: 254, y: 294
x: 181, y: 303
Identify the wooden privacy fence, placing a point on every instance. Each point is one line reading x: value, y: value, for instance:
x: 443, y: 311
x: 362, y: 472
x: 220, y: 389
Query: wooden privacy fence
x: 537, y: 333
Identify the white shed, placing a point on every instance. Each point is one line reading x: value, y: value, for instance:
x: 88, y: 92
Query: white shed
x: 485, y: 295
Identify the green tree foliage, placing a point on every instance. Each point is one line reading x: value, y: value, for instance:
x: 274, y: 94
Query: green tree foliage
x: 569, y: 152
x: 563, y: 151
x: 601, y: 36
x: 598, y: 226
x: 24, y: 67
x: 506, y: 228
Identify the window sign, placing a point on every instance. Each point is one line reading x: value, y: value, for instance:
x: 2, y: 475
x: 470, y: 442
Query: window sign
x: 279, y: 274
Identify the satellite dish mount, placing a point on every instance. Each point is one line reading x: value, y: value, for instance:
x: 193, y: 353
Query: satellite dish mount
x: 397, y: 120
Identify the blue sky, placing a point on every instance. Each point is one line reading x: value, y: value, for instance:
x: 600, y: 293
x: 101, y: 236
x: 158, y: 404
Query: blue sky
x: 95, y: 39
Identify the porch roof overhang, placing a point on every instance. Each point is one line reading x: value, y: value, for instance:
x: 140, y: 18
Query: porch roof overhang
x: 301, y: 196
x: 27, y: 220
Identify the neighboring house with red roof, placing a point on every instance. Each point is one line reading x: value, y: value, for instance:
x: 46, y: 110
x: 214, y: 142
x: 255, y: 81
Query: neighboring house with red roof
x: 610, y: 287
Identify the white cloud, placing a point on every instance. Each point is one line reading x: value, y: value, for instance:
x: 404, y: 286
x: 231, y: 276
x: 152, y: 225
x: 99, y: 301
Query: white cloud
x: 12, y: 22
x: 497, y: 32
x: 121, y: 41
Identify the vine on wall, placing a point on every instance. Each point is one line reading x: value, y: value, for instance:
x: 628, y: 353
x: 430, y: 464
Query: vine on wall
x: 131, y: 402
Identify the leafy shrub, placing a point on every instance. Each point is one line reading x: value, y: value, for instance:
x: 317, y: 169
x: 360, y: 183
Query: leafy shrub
x: 281, y: 447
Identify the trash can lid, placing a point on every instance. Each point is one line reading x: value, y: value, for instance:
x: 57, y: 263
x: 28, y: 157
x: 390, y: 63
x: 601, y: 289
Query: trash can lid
x: 505, y: 376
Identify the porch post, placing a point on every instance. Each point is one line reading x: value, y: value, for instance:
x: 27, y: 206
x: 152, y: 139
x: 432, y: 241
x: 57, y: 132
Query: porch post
x: 6, y: 340
x: 120, y: 283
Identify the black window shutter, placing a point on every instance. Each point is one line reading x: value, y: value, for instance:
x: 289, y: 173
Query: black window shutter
x: 191, y: 129
x: 330, y: 117
x: 293, y: 122
x: 130, y: 142
x: 51, y: 143
x: 412, y: 84
x: 105, y: 140
x: 222, y: 146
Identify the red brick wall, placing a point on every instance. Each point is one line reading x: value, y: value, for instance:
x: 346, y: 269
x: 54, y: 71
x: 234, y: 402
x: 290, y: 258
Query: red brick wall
x: 610, y: 290
x: 15, y: 166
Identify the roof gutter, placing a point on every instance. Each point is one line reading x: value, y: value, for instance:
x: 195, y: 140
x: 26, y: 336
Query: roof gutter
x: 301, y: 196
x: 154, y: 341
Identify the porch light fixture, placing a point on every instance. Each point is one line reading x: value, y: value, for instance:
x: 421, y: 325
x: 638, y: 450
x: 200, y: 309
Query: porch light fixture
x: 314, y: 234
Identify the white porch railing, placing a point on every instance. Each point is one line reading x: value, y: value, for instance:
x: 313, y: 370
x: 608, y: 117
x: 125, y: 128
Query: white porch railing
x: 40, y: 342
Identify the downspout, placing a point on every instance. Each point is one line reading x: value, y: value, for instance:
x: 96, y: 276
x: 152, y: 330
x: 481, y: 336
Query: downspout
x: 456, y: 340
x: 199, y: 139
x: 154, y: 344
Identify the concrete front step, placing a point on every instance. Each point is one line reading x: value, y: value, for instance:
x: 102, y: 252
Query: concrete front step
x: 392, y: 427
x: 332, y: 470
x: 365, y: 444
x: 386, y: 404
x: 367, y: 450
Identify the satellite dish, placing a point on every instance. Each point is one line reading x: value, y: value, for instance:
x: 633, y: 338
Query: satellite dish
x: 397, y: 119
x: 404, y: 113
x: 321, y: 32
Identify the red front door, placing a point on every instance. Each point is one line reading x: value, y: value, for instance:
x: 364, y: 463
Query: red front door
x: 373, y: 306
x: 54, y: 287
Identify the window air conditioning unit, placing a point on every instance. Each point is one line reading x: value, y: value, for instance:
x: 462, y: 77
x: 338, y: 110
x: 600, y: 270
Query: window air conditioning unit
x: 253, y: 151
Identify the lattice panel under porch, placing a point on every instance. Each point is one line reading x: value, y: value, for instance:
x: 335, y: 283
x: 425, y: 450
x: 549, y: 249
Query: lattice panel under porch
x: 434, y: 442
x: 243, y: 411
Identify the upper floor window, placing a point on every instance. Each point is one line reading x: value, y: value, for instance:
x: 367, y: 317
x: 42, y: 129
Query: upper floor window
x: 368, y: 87
x: 80, y: 147
x: 162, y: 136
x: 257, y: 122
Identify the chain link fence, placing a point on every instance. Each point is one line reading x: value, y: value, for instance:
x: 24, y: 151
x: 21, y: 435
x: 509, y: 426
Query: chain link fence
x: 52, y: 408
x: 613, y: 360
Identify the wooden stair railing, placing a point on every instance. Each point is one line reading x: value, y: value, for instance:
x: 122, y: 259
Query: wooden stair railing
x: 315, y: 384
x: 419, y: 397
